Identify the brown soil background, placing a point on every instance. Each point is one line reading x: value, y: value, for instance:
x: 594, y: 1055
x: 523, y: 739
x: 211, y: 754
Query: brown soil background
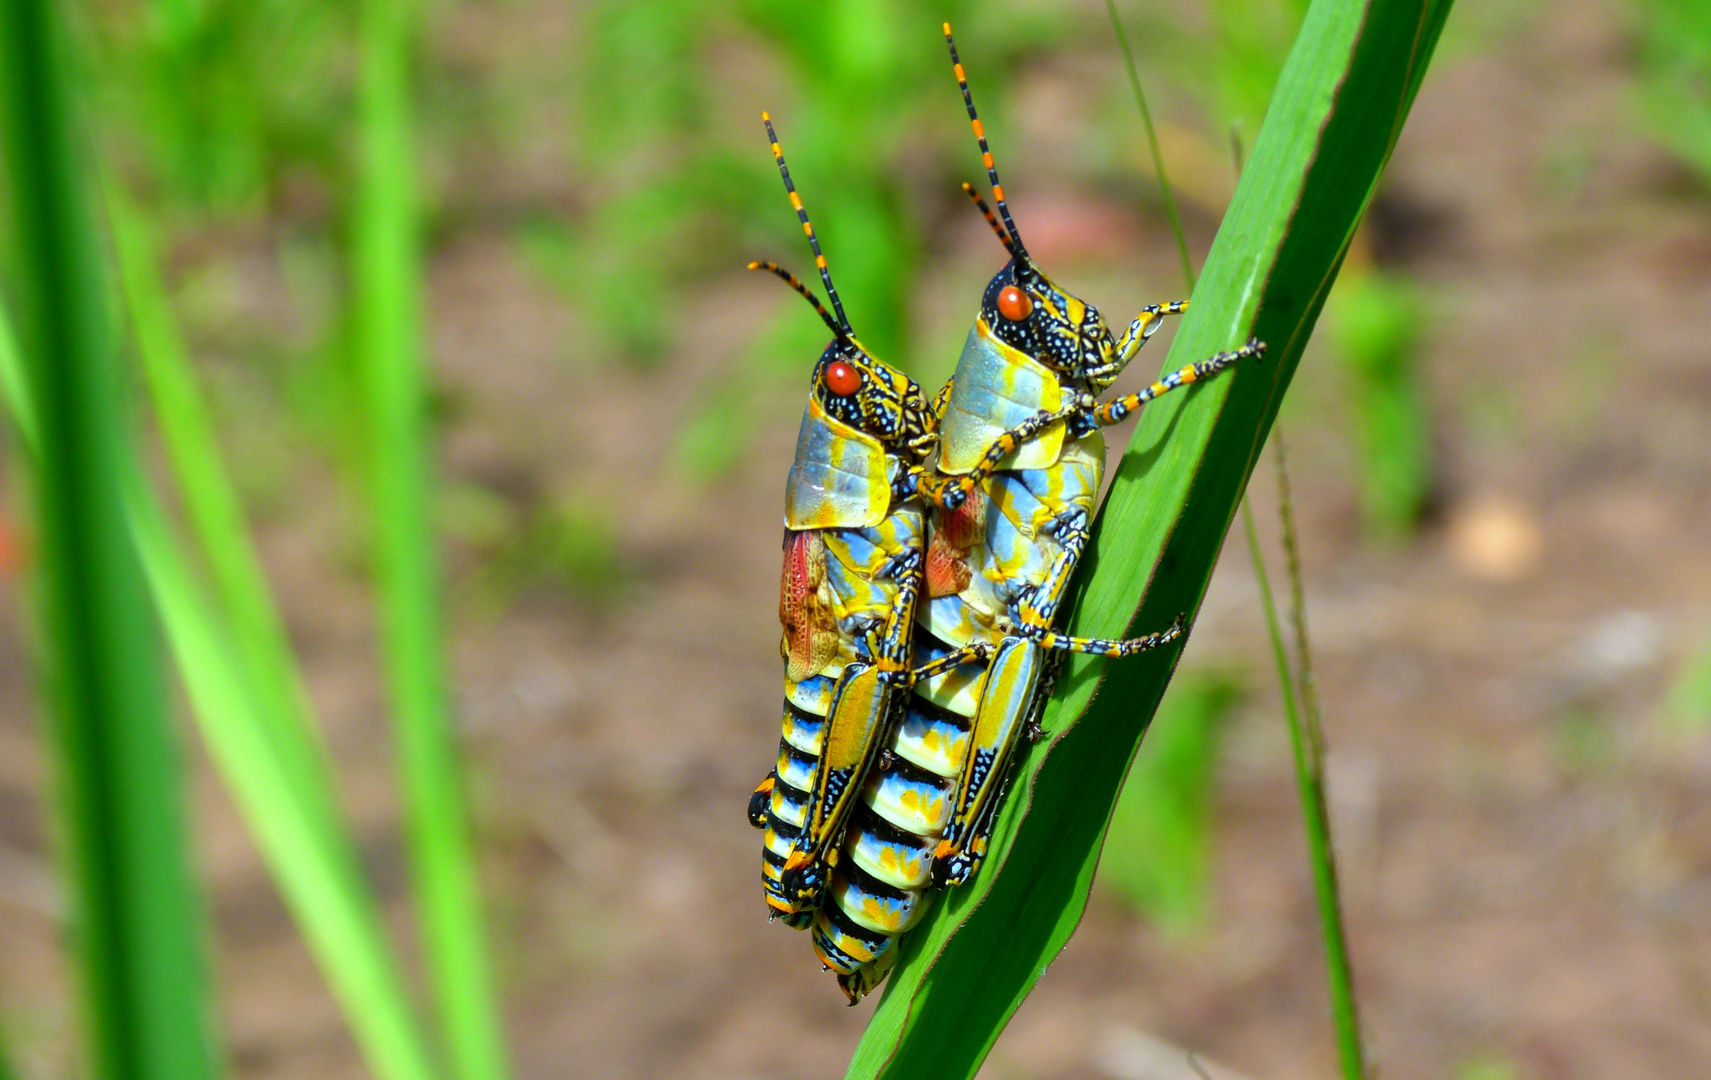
x: 1512, y: 899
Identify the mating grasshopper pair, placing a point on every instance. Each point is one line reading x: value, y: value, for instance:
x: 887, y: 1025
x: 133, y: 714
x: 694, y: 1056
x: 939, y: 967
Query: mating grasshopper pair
x: 919, y: 596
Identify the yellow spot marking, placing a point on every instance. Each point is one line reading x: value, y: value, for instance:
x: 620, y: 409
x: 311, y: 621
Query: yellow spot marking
x: 764, y: 115
x: 997, y: 189
x: 960, y: 77
x: 796, y: 200
x: 820, y: 261
x: 777, y: 151
x: 987, y: 158
x: 807, y: 228
x: 888, y: 859
x: 911, y: 800
x: 947, y: 28
x: 870, y: 907
x: 979, y: 131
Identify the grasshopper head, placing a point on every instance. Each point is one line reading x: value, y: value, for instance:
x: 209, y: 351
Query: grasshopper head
x: 1028, y: 312
x: 851, y: 383
x: 869, y: 395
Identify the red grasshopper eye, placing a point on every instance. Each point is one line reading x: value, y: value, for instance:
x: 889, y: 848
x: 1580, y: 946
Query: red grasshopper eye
x: 1014, y: 304
x: 842, y: 379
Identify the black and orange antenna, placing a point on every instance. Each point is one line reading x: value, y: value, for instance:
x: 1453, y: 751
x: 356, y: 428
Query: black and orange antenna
x: 791, y: 280
x: 1015, y: 244
x: 808, y: 228
x: 986, y: 212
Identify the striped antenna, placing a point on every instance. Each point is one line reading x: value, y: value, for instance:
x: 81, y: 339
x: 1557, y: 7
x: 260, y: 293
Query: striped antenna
x: 986, y: 212
x: 791, y: 280
x: 1015, y: 245
x: 807, y: 226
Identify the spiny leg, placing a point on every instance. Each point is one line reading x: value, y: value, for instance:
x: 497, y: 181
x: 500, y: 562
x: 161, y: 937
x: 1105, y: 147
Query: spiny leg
x: 855, y: 725
x: 1036, y: 605
x: 1114, y: 411
x: 942, y: 398
x: 1051, y: 639
x: 892, y: 647
x: 1145, y: 325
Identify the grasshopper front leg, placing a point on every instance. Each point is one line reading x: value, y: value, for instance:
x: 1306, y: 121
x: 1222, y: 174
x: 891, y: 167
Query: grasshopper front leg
x: 1113, y: 412
x: 1144, y: 327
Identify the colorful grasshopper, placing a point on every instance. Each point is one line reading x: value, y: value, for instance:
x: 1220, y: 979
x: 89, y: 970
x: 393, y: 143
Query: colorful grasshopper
x: 852, y: 571
x: 1019, y: 505
x: 854, y: 553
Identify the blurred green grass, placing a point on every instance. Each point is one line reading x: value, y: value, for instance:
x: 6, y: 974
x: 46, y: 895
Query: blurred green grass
x: 1674, y: 77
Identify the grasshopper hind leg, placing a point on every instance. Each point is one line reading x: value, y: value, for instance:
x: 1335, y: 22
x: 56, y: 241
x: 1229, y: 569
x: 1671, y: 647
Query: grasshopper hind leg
x: 761, y: 801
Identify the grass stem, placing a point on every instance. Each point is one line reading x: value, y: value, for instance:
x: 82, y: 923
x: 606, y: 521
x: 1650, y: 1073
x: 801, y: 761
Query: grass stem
x: 1310, y: 784
x: 1165, y: 193
x: 137, y: 927
x: 1307, y: 737
x: 387, y: 279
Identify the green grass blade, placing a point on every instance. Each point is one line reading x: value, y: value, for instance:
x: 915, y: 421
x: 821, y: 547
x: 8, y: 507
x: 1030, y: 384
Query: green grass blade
x: 215, y: 514
x: 1308, y: 749
x: 1165, y: 193
x: 14, y: 386
x: 317, y: 869
x: 137, y: 919
x: 387, y: 277
x: 247, y: 690
x: 1334, y: 118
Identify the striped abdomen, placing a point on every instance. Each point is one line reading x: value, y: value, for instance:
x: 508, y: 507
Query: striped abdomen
x: 879, y: 887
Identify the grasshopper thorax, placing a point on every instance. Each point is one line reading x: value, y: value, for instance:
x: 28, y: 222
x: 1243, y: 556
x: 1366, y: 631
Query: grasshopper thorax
x: 1028, y: 312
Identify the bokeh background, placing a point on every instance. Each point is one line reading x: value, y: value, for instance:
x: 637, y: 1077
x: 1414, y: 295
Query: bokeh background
x: 1499, y: 444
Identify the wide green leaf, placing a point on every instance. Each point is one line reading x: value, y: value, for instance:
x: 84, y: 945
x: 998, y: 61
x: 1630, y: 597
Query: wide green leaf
x: 1333, y: 120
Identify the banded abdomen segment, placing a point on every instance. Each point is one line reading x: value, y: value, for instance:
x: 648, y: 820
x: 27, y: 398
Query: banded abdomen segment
x: 879, y: 887
x: 780, y: 804
x: 836, y: 707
